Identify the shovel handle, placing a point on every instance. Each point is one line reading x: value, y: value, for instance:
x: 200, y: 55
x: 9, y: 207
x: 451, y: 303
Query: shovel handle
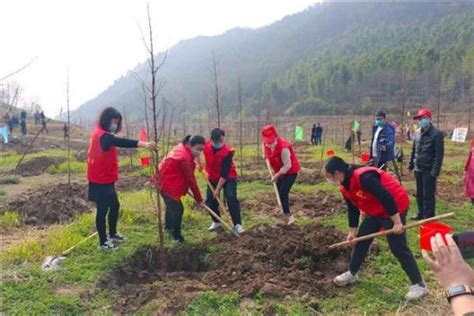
x: 207, y: 208
x: 67, y: 251
x: 277, y: 194
x: 390, y: 231
x: 204, y: 173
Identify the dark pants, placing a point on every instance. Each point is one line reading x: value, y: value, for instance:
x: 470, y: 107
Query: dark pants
x: 313, y: 140
x: 397, y: 243
x: 107, y: 204
x: 23, y: 128
x: 318, y: 139
x: 425, y: 194
x: 284, y: 184
x: 173, y: 216
x: 230, y: 192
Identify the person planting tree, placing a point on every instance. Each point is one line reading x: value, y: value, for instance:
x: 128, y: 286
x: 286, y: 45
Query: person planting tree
x: 175, y: 176
x: 385, y: 204
x: 284, y: 164
x: 103, y: 172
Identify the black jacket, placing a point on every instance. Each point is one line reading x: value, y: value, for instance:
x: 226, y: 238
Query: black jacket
x: 428, y: 151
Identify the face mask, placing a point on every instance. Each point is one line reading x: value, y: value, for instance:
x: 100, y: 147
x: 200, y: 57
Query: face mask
x: 217, y: 146
x: 113, y: 128
x: 195, y: 152
x: 378, y: 122
x: 424, y: 122
x: 332, y: 181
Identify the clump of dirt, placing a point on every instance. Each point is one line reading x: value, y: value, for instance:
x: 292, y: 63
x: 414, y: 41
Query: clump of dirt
x: 312, y: 204
x: 131, y: 183
x: 50, y: 204
x: 274, y: 261
x: 38, y: 165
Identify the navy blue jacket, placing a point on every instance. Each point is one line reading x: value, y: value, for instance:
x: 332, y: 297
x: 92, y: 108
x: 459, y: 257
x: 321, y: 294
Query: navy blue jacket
x: 385, y: 138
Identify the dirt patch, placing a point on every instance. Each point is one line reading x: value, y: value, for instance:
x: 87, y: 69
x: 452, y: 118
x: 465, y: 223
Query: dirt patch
x: 50, y: 204
x: 304, y: 177
x: 131, y: 183
x: 38, y: 165
x: 274, y: 261
x: 452, y: 192
x: 311, y: 204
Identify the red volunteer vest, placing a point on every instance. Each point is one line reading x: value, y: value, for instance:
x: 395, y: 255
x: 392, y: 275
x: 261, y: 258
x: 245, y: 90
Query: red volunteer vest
x: 172, y: 178
x: 214, y: 161
x: 102, y: 166
x: 275, y: 156
x: 368, y: 203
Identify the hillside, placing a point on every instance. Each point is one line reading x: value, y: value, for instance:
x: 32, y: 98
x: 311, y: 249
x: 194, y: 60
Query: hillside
x: 331, y: 57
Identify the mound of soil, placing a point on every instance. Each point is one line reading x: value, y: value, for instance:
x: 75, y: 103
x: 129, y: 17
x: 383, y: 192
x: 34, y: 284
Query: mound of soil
x: 52, y: 204
x: 274, y: 261
x: 38, y: 165
x: 313, y: 204
x: 131, y: 183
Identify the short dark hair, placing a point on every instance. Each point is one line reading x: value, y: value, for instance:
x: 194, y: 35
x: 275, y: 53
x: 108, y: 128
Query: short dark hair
x: 107, y: 115
x: 334, y: 164
x: 216, y: 134
x: 193, y: 140
x: 380, y: 113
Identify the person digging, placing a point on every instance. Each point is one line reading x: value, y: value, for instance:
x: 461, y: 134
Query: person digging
x: 222, y: 174
x: 384, y: 201
x: 284, y: 164
x: 103, y: 172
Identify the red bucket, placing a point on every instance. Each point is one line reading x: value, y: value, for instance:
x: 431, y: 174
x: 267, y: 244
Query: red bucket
x: 145, y: 161
x: 365, y: 157
x: 330, y: 152
x: 429, y: 230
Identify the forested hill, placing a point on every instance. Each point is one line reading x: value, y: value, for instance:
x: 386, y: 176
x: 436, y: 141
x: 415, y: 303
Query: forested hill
x: 332, y: 57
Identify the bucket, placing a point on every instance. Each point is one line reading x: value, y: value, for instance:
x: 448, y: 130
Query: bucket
x: 429, y: 230
x: 364, y: 157
x: 330, y: 152
x: 145, y: 161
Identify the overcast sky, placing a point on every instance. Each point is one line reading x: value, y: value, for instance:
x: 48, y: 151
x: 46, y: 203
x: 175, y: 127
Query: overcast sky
x: 99, y: 40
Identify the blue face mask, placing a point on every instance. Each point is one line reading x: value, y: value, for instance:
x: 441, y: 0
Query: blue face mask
x: 424, y: 122
x: 217, y: 146
x: 113, y: 128
x: 378, y: 122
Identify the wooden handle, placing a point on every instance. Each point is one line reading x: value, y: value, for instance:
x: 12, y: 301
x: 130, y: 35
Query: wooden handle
x: 212, y: 189
x: 67, y: 251
x: 274, y: 184
x: 207, y: 208
x: 390, y: 231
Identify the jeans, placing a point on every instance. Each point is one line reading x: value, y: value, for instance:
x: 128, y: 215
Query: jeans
x: 230, y: 192
x: 107, y: 204
x: 284, y: 184
x: 425, y: 194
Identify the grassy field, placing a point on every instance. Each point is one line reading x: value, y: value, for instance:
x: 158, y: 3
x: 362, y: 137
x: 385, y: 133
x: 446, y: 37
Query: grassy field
x: 75, y: 288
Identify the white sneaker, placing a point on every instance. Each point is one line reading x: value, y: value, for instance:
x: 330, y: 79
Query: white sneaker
x: 214, y: 226
x: 117, y: 238
x: 416, y: 292
x: 290, y: 220
x: 239, y: 229
x: 345, y: 279
x: 108, y: 245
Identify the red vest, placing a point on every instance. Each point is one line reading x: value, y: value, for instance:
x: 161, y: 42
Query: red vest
x: 214, y: 161
x: 275, y: 156
x: 171, y: 179
x: 368, y: 203
x: 102, y: 166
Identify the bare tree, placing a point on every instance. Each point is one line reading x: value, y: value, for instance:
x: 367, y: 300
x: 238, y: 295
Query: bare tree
x: 127, y: 131
x: 184, y: 116
x: 68, y: 133
x: 217, y: 101
x: 259, y: 113
x: 239, y: 89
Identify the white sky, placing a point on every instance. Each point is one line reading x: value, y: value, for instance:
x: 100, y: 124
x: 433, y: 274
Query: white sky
x: 99, y: 40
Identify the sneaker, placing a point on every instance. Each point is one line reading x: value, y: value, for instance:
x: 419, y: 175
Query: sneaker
x: 108, y: 245
x: 239, y: 229
x: 117, y: 238
x: 416, y: 292
x: 178, y: 240
x: 345, y: 279
x: 290, y: 220
x: 215, y: 226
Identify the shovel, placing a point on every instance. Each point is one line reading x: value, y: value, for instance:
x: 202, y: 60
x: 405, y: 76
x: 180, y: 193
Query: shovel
x: 52, y: 263
x: 213, y: 192
x: 274, y: 184
x: 390, y: 231
x: 236, y: 234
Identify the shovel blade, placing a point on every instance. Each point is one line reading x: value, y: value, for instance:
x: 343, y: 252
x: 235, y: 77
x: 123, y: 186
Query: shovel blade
x: 52, y: 263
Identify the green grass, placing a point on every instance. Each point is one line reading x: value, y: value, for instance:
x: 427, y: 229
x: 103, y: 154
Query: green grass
x: 10, y: 220
x: 26, y: 290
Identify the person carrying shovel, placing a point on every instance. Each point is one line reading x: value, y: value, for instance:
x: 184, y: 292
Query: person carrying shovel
x: 175, y: 176
x: 221, y: 173
x: 284, y: 164
x: 385, y: 203
x: 103, y: 172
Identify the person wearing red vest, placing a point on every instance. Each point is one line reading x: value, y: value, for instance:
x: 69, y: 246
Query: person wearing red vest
x: 175, y: 176
x: 284, y: 164
x: 221, y: 172
x: 103, y: 172
x: 385, y: 204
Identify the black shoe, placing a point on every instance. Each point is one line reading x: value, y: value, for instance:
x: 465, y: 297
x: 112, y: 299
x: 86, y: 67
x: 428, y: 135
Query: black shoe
x: 179, y: 239
x: 117, y: 238
x: 416, y: 218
